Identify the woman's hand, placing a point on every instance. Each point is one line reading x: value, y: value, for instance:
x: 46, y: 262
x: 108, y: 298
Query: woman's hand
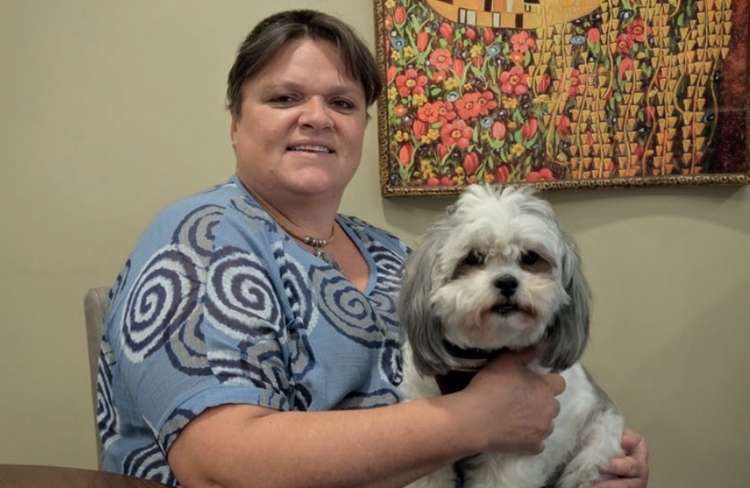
x: 525, y: 401
x: 630, y: 470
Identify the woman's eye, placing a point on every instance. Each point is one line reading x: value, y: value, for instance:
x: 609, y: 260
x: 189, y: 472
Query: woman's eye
x: 474, y: 258
x: 530, y: 258
x: 283, y: 99
x: 343, y: 104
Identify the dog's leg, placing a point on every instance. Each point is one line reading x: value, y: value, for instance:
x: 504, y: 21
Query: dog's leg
x: 600, y: 439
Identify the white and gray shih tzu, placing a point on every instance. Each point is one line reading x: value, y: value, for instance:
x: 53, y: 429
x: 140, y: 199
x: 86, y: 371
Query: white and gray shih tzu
x: 497, y: 272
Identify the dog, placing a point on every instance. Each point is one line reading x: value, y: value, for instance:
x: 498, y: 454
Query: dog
x: 497, y: 272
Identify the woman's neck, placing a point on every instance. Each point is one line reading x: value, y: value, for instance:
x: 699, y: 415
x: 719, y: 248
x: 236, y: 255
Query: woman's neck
x: 314, y: 217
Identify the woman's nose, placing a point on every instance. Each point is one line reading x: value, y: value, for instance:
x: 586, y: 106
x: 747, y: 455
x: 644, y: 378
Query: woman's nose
x: 315, y: 114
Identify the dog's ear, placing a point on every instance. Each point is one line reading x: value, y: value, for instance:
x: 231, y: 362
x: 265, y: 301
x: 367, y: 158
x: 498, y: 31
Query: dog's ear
x: 423, y: 329
x: 566, y: 338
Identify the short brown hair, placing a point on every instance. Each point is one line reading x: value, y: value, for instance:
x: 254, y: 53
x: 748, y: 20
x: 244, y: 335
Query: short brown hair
x: 270, y: 35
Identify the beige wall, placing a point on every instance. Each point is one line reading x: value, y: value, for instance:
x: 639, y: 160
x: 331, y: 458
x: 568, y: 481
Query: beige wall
x: 110, y: 109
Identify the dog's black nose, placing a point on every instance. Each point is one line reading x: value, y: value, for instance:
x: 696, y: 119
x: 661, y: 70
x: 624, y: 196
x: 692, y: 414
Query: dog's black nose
x: 507, y: 285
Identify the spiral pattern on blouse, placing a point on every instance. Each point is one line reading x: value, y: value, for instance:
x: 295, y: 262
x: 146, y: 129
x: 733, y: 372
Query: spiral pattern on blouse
x: 299, y: 294
x: 196, y: 230
x: 391, y: 362
x: 389, y: 268
x: 346, y: 308
x: 254, y: 212
x: 186, y: 348
x: 163, y: 296
x: 107, y: 420
x: 239, y: 296
x: 149, y: 463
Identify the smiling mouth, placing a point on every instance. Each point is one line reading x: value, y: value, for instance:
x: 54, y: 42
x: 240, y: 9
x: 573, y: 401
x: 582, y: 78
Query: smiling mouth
x: 506, y: 308
x: 311, y: 148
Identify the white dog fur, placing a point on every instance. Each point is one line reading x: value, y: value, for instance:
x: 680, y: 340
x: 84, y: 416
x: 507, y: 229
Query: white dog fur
x: 497, y: 271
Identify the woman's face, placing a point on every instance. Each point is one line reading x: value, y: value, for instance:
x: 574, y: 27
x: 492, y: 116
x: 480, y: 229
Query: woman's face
x: 301, y: 124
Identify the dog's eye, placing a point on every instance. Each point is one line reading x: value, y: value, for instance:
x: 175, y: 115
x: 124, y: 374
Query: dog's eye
x: 530, y: 258
x: 474, y: 258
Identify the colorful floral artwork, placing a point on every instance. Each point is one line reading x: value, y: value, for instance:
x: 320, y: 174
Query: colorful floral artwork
x: 562, y: 93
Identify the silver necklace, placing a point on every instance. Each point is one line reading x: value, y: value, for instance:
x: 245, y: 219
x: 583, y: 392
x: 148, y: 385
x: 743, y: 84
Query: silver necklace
x: 318, y: 245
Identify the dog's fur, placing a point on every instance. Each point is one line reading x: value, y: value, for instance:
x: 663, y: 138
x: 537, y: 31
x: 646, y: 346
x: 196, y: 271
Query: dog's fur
x: 497, y: 271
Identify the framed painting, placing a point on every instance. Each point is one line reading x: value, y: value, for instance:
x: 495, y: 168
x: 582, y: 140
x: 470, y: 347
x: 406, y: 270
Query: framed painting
x: 562, y: 93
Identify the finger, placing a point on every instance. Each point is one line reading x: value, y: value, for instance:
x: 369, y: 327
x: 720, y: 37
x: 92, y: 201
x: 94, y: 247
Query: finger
x: 556, y: 383
x: 625, y: 467
x: 635, y: 445
x: 630, y: 440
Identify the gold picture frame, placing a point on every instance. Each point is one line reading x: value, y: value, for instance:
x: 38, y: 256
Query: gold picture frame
x: 561, y: 93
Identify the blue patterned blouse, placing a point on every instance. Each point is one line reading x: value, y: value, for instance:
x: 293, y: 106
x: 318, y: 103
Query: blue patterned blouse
x: 218, y: 305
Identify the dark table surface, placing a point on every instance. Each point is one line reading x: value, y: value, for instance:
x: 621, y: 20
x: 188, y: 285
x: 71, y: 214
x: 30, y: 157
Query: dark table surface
x: 23, y: 476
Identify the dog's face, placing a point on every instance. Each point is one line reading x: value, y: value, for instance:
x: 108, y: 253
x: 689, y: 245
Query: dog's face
x: 495, y: 272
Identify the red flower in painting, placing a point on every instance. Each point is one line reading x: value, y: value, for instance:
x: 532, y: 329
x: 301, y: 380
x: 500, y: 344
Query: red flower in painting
x: 637, y: 30
x: 475, y: 104
x: 471, y: 163
x: 404, y: 154
x: 419, y: 128
x: 563, y: 125
x: 411, y: 82
x: 467, y: 107
x: 575, y: 87
x: 470, y: 34
x: 624, y: 43
x: 441, y: 58
x: 529, y: 129
x: 593, y: 35
x: 436, y: 112
x: 517, y: 57
x: 488, y: 36
x: 544, y: 83
x: 514, y: 82
x: 499, y: 130
x: 446, y: 30
x: 458, y: 67
x: 486, y: 102
x: 544, y: 174
x: 391, y: 74
x: 503, y: 173
x: 423, y: 39
x: 650, y: 112
x: 626, y: 64
x: 457, y: 133
x: 399, y: 16
x: 522, y: 41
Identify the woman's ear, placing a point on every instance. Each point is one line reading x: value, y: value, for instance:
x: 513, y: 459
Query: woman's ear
x: 233, y: 128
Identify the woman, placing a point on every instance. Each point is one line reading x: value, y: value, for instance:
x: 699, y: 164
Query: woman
x: 252, y: 338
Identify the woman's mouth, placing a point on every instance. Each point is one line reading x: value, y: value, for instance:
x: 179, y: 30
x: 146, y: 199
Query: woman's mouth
x: 311, y: 148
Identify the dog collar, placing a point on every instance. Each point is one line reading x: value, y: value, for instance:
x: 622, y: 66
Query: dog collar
x: 468, y: 352
x: 471, y: 358
x: 454, y: 380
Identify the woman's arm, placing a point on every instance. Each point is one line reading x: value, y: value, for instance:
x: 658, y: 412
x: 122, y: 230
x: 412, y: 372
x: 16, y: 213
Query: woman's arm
x: 249, y: 446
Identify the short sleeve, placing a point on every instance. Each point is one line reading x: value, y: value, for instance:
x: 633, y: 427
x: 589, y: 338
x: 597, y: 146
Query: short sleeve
x: 197, y: 323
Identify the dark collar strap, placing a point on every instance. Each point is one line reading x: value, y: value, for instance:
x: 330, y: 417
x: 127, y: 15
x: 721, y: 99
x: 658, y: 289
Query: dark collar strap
x: 454, y: 380
x: 469, y: 352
